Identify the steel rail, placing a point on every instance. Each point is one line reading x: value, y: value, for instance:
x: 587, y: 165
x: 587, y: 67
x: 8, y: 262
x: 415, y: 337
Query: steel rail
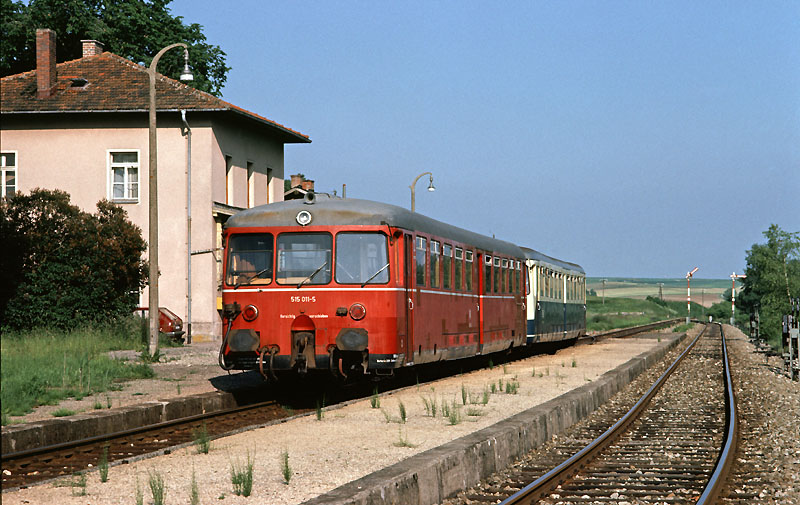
x: 539, y: 488
x: 132, y: 431
x: 727, y: 455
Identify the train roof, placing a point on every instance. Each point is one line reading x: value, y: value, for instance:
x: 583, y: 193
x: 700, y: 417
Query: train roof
x: 537, y: 256
x: 328, y: 211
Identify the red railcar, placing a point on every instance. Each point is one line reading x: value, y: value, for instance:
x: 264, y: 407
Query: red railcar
x: 354, y: 286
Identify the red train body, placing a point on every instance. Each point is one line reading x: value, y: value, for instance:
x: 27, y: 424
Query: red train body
x: 353, y: 286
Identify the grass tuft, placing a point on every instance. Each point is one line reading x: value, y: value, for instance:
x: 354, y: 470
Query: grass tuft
x: 242, y: 476
x: 375, y: 400
x: 201, y: 439
x: 286, y: 470
x: 403, y: 440
x: 157, y: 487
x: 103, y: 465
x: 63, y: 412
x: 78, y: 484
x: 403, y: 416
x: 194, y: 492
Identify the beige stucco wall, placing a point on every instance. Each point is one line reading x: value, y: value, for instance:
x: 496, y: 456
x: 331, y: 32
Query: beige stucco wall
x: 70, y: 152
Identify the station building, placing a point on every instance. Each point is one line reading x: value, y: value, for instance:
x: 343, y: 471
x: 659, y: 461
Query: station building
x: 82, y: 127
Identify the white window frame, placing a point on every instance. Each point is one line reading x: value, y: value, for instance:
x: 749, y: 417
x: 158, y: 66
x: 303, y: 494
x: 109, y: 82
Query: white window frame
x: 110, y: 166
x: 4, y: 169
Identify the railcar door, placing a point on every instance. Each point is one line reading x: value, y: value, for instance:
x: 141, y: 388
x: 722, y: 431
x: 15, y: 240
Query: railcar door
x: 481, y: 284
x: 408, y: 279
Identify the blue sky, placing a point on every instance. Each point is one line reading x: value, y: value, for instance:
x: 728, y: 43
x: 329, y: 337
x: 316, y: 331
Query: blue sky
x: 638, y: 139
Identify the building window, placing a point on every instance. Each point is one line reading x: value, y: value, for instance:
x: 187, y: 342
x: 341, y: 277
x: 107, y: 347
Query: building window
x: 8, y: 165
x: 124, y: 174
x: 251, y: 186
x: 228, y: 180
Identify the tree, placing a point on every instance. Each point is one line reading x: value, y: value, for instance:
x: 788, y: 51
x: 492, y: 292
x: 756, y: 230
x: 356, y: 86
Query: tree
x: 62, y: 267
x: 773, y: 277
x: 134, y: 29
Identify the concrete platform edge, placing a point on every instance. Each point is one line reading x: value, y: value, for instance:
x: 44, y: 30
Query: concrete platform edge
x: 434, y: 475
x: 28, y: 436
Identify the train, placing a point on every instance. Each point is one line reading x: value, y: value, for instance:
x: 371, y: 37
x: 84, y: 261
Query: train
x: 360, y: 288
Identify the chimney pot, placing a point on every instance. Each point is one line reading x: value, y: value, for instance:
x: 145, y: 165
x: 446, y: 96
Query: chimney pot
x: 91, y: 47
x: 46, y: 77
x: 308, y: 185
x: 297, y: 179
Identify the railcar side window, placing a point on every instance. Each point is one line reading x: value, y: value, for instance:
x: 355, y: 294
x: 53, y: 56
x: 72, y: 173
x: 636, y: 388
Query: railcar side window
x: 361, y: 258
x: 459, y: 266
x: 504, y: 280
x: 447, y: 266
x: 468, y: 270
x: 498, y: 274
x: 304, y: 258
x: 487, y: 275
x: 249, y: 259
x: 436, y: 264
x: 422, y: 245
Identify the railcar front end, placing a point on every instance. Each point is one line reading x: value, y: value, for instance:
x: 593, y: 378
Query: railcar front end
x: 308, y: 298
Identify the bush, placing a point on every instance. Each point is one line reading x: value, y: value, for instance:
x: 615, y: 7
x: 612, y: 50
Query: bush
x: 62, y: 267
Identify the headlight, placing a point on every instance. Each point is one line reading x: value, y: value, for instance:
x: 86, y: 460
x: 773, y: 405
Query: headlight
x: 358, y: 311
x: 250, y: 313
x: 303, y: 217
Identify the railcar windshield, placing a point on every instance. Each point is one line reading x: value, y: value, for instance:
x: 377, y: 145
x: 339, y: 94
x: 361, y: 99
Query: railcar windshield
x: 249, y: 259
x: 361, y: 258
x: 304, y: 258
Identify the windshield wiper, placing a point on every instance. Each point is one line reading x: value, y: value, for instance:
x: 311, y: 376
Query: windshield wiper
x: 240, y: 281
x: 375, y: 275
x: 315, y: 272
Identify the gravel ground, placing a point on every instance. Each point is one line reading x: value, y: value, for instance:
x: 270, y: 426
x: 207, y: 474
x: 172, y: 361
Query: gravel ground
x: 768, y: 463
x: 348, y: 442
x: 356, y: 440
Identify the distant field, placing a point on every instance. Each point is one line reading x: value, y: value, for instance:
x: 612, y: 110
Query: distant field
x: 704, y: 291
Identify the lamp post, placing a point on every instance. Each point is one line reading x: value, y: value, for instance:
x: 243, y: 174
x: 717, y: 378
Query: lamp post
x: 689, y: 294
x: 430, y: 188
x: 153, y: 307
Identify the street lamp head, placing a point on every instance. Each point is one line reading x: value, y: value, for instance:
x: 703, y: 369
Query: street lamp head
x: 430, y: 185
x: 186, y: 74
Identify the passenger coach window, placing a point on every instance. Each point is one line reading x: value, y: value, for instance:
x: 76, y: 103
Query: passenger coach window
x: 468, y: 270
x: 504, y: 280
x: 436, y: 264
x: 361, y: 258
x: 487, y: 275
x: 422, y: 245
x: 447, y: 260
x: 459, y: 265
x: 304, y: 258
x: 497, y: 275
x: 249, y: 259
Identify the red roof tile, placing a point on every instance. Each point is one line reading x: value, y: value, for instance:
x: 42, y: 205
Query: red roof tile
x: 113, y: 83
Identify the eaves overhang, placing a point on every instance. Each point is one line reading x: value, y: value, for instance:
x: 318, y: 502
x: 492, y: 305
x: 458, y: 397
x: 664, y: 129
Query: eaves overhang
x: 290, y: 136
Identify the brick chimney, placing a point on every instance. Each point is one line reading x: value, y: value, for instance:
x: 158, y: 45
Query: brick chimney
x: 46, y: 78
x: 307, y: 185
x: 297, y: 179
x: 91, y: 47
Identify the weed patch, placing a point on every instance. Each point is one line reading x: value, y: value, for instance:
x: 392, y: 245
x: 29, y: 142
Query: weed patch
x: 242, y: 477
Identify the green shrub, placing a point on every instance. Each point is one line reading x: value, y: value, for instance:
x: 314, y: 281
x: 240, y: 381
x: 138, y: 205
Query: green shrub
x: 82, y: 267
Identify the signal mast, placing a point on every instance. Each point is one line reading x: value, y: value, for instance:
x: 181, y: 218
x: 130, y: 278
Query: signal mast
x: 689, y: 294
x: 733, y: 296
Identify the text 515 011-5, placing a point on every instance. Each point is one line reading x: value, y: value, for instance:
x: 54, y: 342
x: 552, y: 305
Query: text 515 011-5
x: 299, y: 299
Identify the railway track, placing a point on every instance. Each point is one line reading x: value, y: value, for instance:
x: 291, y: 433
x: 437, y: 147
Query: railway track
x: 22, y: 469
x: 675, y: 445
x: 25, y: 468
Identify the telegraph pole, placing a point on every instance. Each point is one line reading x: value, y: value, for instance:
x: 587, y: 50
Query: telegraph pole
x: 604, y: 291
x: 661, y: 291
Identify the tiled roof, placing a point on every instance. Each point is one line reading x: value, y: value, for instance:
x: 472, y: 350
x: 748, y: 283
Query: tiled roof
x: 110, y: 83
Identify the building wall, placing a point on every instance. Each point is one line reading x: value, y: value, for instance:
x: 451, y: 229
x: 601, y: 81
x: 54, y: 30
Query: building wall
x: 75, y: 160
